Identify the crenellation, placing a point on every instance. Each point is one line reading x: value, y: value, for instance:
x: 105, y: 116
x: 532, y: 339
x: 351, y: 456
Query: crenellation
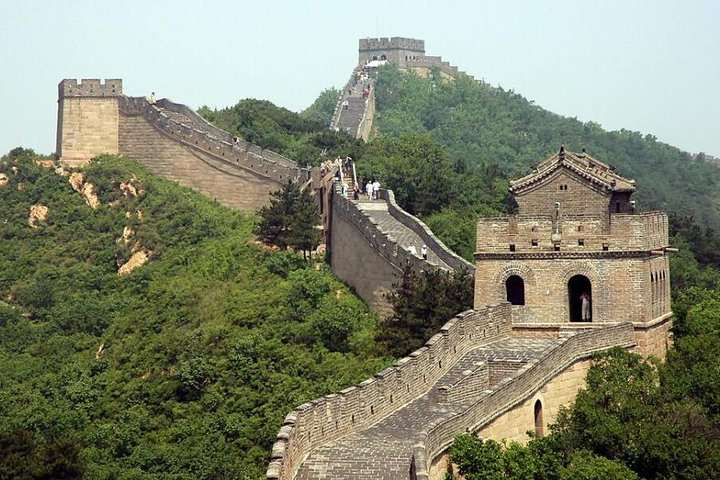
x: 89, y: 87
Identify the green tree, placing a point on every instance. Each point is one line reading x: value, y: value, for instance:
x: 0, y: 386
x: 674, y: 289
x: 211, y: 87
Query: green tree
x: 422, y: 303
x: 290, y: 220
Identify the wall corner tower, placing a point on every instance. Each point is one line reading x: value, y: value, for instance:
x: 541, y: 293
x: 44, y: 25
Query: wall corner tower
x: 88, y: 119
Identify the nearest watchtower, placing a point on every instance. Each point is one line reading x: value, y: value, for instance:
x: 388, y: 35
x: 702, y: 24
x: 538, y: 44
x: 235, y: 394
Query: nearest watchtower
x: 577, y: 239
x: 397, y: 50
x: 88, y: 119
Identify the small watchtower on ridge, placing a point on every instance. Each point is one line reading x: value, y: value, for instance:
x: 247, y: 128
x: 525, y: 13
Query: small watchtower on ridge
x: 397, y: 50
x: 577, y: 239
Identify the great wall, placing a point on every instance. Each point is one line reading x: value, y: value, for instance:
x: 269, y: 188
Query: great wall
x: 499, y: 370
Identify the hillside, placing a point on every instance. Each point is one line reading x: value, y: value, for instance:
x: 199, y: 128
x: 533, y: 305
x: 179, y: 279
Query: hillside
x: 489, y: 133
x: 183, y: 368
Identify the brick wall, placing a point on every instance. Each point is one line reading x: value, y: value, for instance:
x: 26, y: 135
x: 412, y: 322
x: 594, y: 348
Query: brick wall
x: 516, y: 392
x: 364, y: 256
x: 354, y: 408
x: 201, y: 156
x: 433, y: 243
x: 469, y: 387
x: 89, y: 127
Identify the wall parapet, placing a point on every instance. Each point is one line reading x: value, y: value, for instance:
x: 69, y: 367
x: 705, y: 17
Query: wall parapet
x: 638, y: 232
x: 385, y: 246
x: 528, y: 380
x: 319, y: 421
x: 423, y: 231
x: 214, y: 141
x: 89, y: 87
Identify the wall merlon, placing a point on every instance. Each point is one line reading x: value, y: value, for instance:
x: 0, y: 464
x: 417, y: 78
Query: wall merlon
x: 90, y: 87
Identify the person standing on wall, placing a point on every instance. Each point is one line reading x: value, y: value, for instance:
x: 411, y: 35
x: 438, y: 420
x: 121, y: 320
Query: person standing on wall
x: 585, y: 306
x: 423, y: 252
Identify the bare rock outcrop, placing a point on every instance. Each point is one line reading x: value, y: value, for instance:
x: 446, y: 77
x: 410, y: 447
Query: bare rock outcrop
x: 4, y: 179
x: 138, y: 259
x: 128, y: 189
x: 86, y: 189
x: 44, y: 163
x: 126, y: 235
x: 38, y: 214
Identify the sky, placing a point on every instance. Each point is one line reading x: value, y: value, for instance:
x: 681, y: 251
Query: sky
x: 647, y: 66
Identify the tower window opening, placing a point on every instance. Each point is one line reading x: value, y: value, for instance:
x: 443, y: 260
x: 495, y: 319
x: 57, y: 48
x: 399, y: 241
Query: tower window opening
x: 580, y: 304
x: 538, y: 414
x: 581, y: 242
x: 534, y: 242
x: 512, y: 247
x: 515, y: 290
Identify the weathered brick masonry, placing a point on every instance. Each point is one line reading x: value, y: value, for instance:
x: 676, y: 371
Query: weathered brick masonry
x: 171, y: 140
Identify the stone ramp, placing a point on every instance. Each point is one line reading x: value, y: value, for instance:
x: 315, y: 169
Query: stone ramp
x: 384, y: 450
x: 378, y: 211
x: 348, y: 119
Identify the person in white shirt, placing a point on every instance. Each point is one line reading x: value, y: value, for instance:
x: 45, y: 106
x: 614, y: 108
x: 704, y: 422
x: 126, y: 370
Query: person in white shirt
x: 423, y: 252
x: 412, y: 250
x: 375, y: 189
x: 369, y: 189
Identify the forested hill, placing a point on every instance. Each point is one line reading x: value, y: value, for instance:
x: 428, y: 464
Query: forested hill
x: 484, y: 127
x: 183, y: 368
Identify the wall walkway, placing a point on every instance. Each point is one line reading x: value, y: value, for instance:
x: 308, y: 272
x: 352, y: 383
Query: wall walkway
x: 394, y: 425
x: 176, y: 143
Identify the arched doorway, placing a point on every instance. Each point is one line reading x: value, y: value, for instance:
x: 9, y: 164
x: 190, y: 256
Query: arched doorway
x: 579, y: 286
x: 539, y: 424
x: 515, y: 290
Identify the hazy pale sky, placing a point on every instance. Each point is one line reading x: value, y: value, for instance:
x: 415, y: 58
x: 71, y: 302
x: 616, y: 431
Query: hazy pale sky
x: 650, y: 66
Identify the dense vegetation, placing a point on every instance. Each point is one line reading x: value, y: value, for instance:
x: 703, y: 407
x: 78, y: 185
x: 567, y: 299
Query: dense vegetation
x: 183, y: 369
x: 290, y: 220
x: 489, y: 132
x: 303, y: 138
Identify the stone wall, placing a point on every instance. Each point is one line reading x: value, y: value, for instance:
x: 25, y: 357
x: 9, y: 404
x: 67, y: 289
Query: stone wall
x: 395, y: 49
x: 654, y: 338
x: 532, y: 233
x: 619, y: 286
x: 433, y: 243
x: 364, y: 256
x: 201, y: 156
x: 87, y: 123
x: 366, y: 123
x: 327, y: 418
x: 513, y: 392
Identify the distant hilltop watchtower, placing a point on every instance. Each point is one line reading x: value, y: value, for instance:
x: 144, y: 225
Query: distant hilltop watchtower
x: 397, y: 50
x: 577, y: 255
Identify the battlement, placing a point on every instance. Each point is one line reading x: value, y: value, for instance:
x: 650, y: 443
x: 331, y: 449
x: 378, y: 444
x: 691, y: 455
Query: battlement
x: 90, y: 87
x: 392, y: 43
x: 625, y: 232
x: 397, y: 50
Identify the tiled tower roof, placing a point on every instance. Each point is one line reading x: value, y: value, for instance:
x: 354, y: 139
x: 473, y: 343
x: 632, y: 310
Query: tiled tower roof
x: 581, y: 164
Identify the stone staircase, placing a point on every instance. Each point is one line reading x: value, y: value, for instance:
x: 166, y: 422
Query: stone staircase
x: 380, y: 214
x: 384, y: 450
x: 349, y: 118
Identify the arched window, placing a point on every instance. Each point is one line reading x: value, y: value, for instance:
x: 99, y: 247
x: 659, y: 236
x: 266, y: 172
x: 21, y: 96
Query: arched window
x: 539, y: 426
x: 580, y: 299
x: 515, y: 290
